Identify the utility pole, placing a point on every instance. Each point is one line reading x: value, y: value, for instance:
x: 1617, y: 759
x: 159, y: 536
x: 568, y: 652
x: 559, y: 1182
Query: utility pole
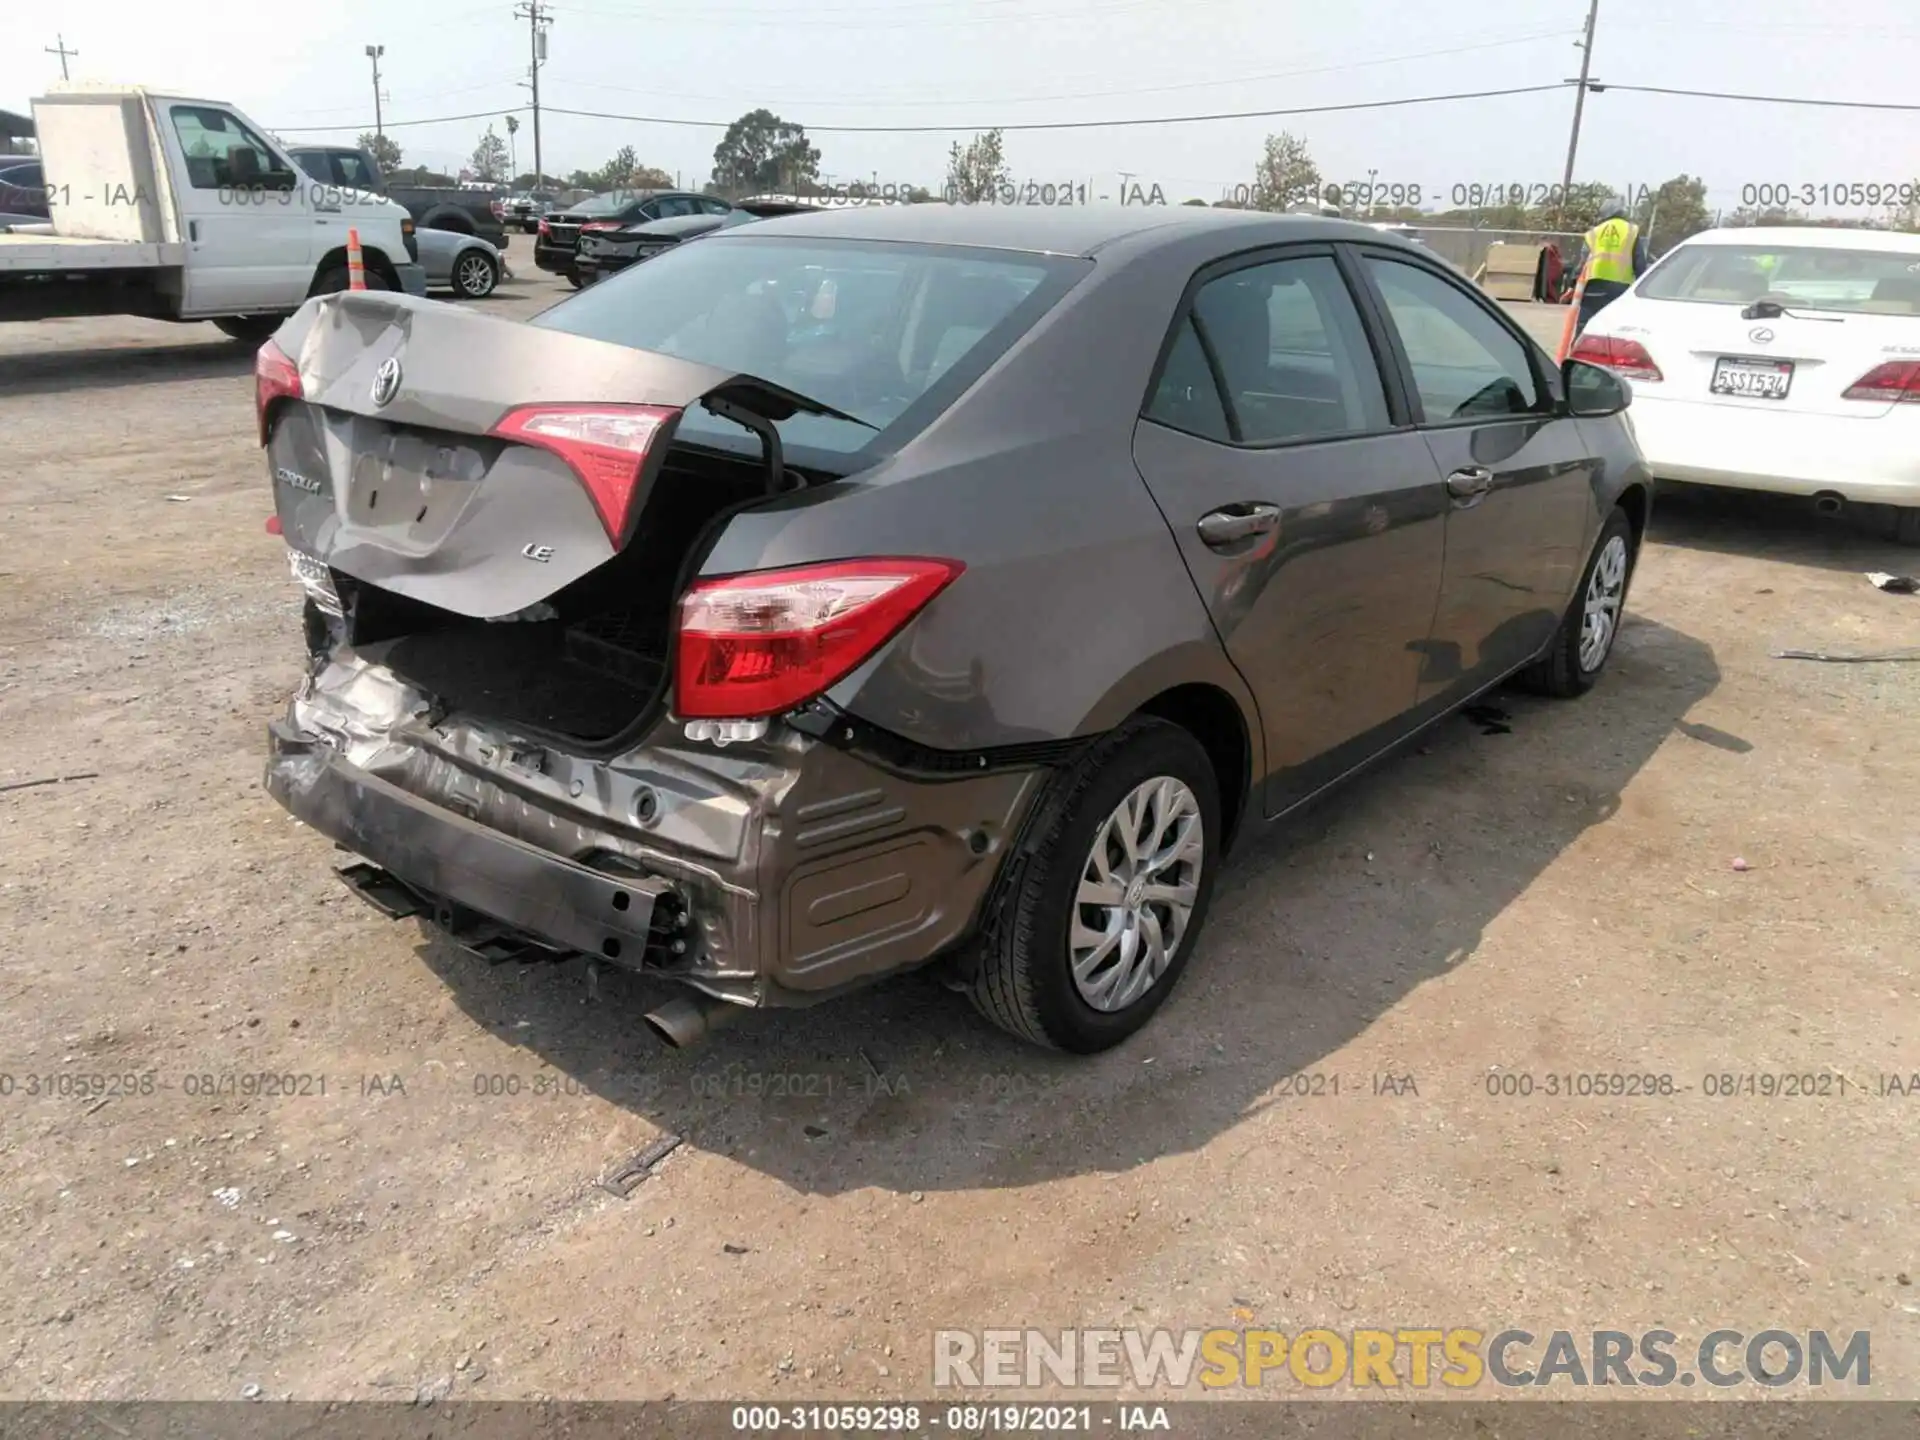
x: 1579, y: 102
x: 374, y: 52
x: 513, y: 147
x: 62, y: 52
x: 534, y: 12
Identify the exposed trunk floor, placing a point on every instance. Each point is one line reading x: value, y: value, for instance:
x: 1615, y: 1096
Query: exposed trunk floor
x: 560, y: 677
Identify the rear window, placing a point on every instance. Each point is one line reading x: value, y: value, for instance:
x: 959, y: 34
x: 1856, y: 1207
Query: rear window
x: 890, y: 334
x: 1867, y: 282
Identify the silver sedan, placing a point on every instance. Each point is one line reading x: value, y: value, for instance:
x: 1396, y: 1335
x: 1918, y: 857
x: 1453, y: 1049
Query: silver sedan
x: 464, y: 264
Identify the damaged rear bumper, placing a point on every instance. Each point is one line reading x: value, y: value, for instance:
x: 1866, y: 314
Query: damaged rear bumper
x: 776, y: 872
x: 450, y: 861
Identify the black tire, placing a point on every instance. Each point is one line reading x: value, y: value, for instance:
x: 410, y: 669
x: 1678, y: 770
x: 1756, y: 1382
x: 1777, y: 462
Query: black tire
x: 1559, y: 672
x: 573, y: 279
x: 1023, y: 981
x: 1903, y: 526
x: 335, y: 278
x: 254, y: 329
x: 461, y: 286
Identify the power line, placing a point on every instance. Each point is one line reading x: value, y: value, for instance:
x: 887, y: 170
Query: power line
x: 1209, y: 84
x: 1761, y: 99
x: 1149, y: 120
x: 1087, y: 124
x: 396, y: 124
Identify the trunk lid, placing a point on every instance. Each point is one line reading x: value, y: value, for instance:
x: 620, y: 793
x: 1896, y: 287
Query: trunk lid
x: 386, y: 468
x: 1828, y: 350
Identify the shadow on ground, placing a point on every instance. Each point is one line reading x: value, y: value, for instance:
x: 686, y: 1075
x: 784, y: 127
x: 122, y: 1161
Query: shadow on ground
x: 55, y: 371
x: 1778, y: 527
x: 1319, y: 927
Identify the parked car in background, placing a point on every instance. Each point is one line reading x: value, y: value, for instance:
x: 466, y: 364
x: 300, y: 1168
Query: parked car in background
x: 606, y: 252
x: 525, y: 211
x: 807, y: 682
x: 559, y: 234
x: 23, y: 191
x: 1783, y: 359
x: 464, y: 264
x: 465, y: 210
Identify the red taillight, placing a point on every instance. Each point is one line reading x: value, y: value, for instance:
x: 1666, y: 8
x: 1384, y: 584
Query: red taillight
x: 499, y: 208
x: 1626, y: 357
x: 762, y: 643
x: 1897, y: 380
x: 275, y: 377
x: 605, y: 444
x: 545, y: 229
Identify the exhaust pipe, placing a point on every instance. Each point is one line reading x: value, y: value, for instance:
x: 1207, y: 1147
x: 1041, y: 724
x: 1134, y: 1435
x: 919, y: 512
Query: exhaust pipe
x: 1829, y: 502
x: 686, y: 1023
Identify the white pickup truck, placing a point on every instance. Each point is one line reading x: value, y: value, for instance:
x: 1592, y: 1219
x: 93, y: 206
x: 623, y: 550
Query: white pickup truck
x: 179, y: 209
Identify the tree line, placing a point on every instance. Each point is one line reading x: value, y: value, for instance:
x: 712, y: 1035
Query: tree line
x: 763, y: 153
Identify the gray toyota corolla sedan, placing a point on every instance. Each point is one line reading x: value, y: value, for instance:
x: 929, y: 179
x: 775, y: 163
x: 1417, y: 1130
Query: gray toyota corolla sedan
x: 880, y: 587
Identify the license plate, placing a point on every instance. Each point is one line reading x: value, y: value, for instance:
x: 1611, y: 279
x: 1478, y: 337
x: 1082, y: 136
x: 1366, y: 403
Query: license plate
x: 1752, y: 379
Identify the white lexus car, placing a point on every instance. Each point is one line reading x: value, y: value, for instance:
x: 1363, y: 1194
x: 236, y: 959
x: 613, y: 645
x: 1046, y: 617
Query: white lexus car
x: 1783, y: 359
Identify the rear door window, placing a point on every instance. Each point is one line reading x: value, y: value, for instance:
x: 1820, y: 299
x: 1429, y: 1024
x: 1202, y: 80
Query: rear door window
x: 1292, y: 352
x: 1187, y: 398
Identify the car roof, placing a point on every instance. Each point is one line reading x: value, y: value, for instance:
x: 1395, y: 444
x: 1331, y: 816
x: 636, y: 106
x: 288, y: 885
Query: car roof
x: 1811, y: 237
x: 1056, y: 230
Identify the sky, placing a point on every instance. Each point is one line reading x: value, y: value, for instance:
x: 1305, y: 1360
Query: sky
x: 973, y: 64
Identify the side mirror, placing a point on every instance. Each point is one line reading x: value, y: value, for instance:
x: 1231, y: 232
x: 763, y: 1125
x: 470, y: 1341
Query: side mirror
x: 1593, y: 390
x: 279, y: 180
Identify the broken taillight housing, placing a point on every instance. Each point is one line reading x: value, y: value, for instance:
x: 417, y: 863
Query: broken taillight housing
x: 1623, y: 357
x: 762, y: 643
x: 545, y: 229
x: 606, y: 446
x: 1895, y: 381
x: 275, y: 377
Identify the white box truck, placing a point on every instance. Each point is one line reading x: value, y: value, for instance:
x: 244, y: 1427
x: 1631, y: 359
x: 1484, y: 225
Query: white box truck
x: 181, y: 209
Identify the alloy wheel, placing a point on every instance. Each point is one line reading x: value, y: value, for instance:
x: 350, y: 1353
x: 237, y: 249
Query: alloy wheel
x: 476, y: 275
x: 1600, y: 617
x: 1136, y: 894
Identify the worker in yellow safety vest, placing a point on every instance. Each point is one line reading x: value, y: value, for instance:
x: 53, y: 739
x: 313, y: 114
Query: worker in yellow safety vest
x: 1616, y: 257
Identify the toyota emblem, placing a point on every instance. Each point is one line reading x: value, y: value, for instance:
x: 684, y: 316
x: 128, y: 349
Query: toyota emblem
x: 1762, y: 336
x: 386, y: 381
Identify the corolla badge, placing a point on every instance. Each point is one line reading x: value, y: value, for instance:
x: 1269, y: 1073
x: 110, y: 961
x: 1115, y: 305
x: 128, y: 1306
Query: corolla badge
x: 1761, y: 336
x: 386, y: 381
x: 296, y: 479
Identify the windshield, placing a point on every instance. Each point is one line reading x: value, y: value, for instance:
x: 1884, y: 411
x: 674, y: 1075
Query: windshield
x: 889, y: 334
x: 1865, y: 282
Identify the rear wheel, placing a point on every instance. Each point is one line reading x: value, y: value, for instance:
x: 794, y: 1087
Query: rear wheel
x: 1095, y: 916
x: 335, y: 279
x: 475, y: 274
x: 573, y: 278
x: 251, y: 328
x: 1585, y: 639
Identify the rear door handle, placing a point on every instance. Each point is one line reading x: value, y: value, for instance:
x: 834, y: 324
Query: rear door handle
x: 1466, y: 483
x: 1231, y: 524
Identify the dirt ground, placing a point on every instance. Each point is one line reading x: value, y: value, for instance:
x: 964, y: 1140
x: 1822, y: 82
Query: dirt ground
x: 417, y: 1202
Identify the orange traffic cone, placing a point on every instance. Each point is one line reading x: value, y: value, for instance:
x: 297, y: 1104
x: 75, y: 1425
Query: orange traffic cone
x: 356, y: 263
x: 1573, y: 314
